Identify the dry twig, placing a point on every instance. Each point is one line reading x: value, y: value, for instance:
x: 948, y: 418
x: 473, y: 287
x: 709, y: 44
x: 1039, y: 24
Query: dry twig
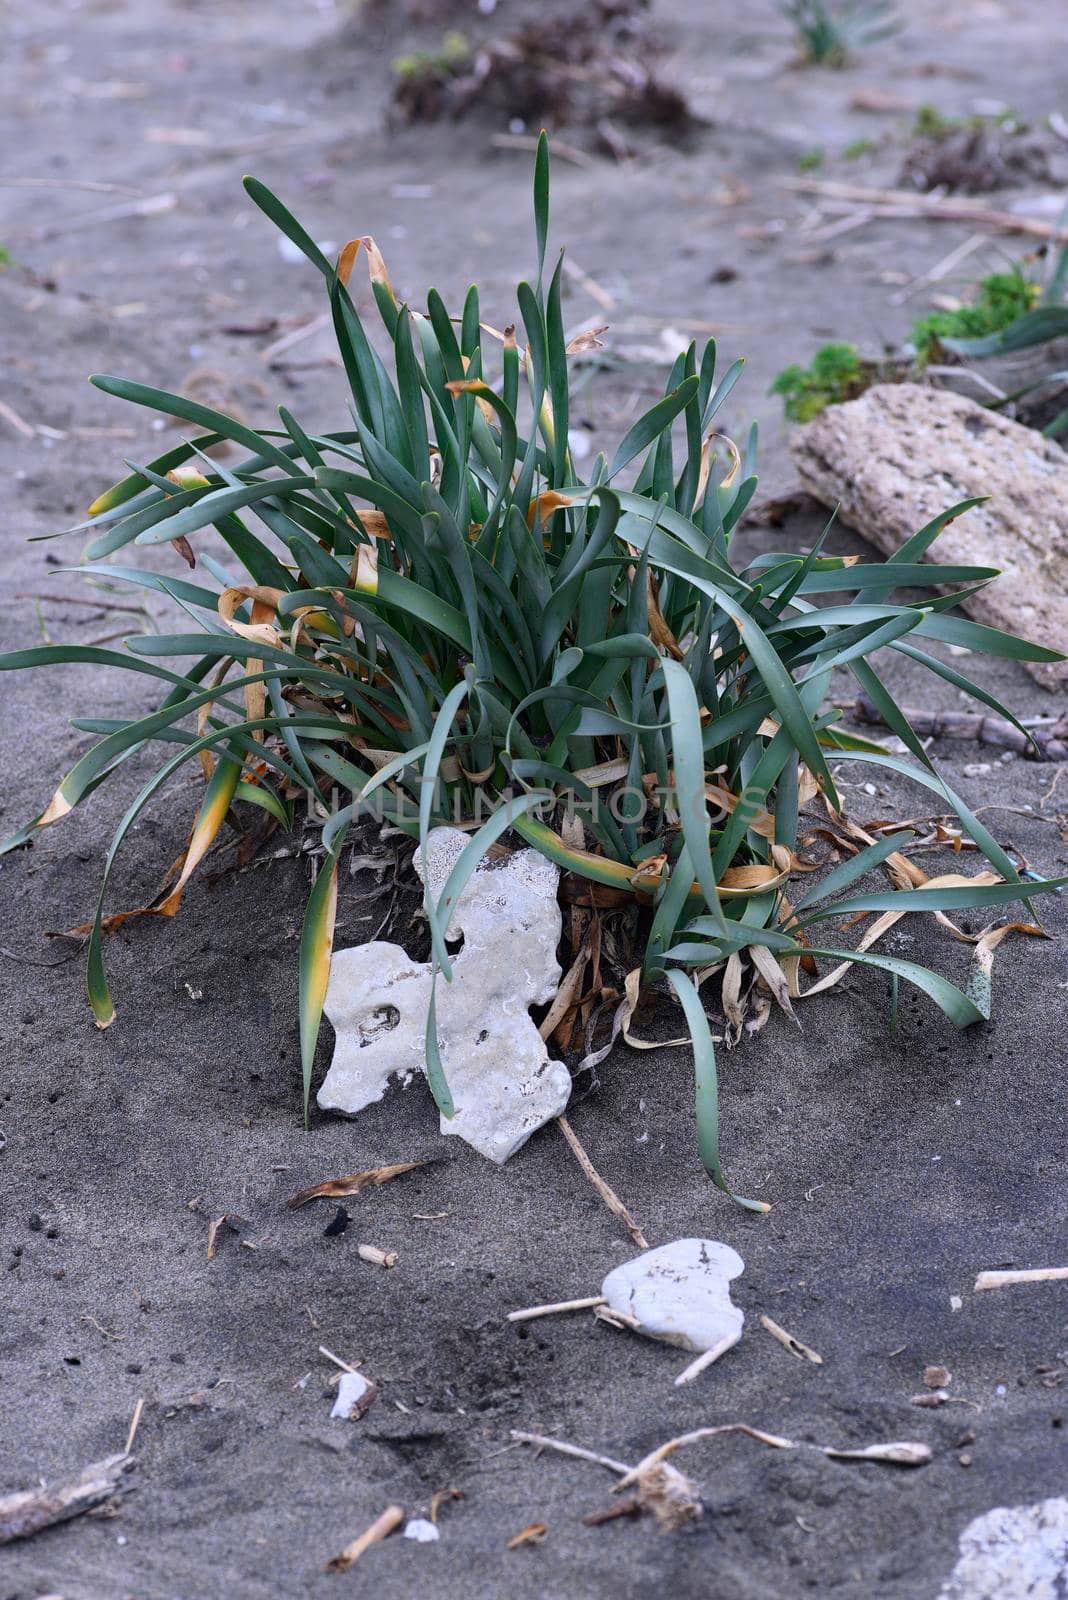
x: 380, y: 1529
x: 31, y: 1510
x: 1004, y: 1280
x: 531, y: 1312
x: 606, y: 1192
x: 907, y: 203
x: 789, y: 1342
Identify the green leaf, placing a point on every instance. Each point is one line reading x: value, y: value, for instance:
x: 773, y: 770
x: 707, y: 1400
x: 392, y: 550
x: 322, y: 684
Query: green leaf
x: 316, y: 948
x: 706, y: 1087
x: 690, y: 778
x: 942, y: 899
x: 649, y: 427
x: 173, y: 405
x: 284, y: 220
x: 1040, y: 326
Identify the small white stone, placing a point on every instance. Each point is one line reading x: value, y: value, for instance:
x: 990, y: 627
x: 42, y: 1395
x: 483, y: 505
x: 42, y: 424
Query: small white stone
x: 679, y: 1293
x: 421, y: 1530
x: 1013, y: 1553
x: 350, y: 1390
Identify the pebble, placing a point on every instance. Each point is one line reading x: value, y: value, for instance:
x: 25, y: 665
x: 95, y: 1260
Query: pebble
x: 680, y: 1293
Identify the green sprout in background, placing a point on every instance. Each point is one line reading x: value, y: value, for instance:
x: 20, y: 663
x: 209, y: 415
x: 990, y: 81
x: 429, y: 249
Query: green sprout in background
x: 452, y: 54
x: 835, y: 374
x: 996, y: 303
x: 829, y: 31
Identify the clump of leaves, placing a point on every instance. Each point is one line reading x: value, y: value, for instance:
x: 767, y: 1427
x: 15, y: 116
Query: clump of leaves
x: 996, y: 303
x: 426, y: 614
x: 836, y: 373
x: 829, y: 31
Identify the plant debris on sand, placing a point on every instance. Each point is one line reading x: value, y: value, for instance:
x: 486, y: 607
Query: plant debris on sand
x: 973, y: 155
x: 578, y: 67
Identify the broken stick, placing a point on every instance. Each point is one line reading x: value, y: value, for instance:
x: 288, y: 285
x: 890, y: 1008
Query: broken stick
x: 531, y: 1312
x: 906, y: 203
x: 31, y: 1510
x: 1002, y: 1280
x: 605, y: 1190
x: 380, y: 1529
x: 1044, y: 740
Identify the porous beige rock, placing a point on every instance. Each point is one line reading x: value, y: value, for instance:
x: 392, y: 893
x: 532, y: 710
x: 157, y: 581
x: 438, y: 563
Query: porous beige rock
x: 901, y: 453
x: 503, y: 1082
x: 1013, y: 1553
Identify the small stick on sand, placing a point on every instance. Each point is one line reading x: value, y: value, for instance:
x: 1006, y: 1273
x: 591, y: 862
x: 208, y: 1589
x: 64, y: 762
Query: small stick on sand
x: 380, y: 1529
x: 19, y: 424
x: 803, y: 1352
x: 561, y: 1446
x: 596, y: 291
x: 377, y: 1257
x: 606, y: 1192
x: 344, y: 1365
x: 31, y: 1510
x: 905, y: 203
x: 1003, y: 1280
x: 561, y: 1305
x: 940, y: 268
x: 295, y: 336
x: 901, y: 1453
x: 706, y: 1358
x: 135, y: 1423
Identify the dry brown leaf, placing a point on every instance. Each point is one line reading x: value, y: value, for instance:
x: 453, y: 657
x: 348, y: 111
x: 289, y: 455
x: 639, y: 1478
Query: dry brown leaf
x: 353, y: 1183
x: 773, y: 975
x: 590, y: 340
x: 533, y: 1533
x: 365, y: 572
x: 659, y: 631
x: 374, y: 524
x: 567, y: 995
x: 376, y: 267
x: 214, y: 1229
x: 439, y: 1498
x: 733, y: 1005
x: 260, y: 632
x: 743, y: 880
x: 542, y: 508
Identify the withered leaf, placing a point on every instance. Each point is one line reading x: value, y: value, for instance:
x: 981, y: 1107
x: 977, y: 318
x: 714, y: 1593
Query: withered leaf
x: 533, y: 1533
x: 353, y: 1183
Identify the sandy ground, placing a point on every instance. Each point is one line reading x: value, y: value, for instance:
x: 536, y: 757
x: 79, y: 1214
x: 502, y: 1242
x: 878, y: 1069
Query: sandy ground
x: 899, y: 1165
